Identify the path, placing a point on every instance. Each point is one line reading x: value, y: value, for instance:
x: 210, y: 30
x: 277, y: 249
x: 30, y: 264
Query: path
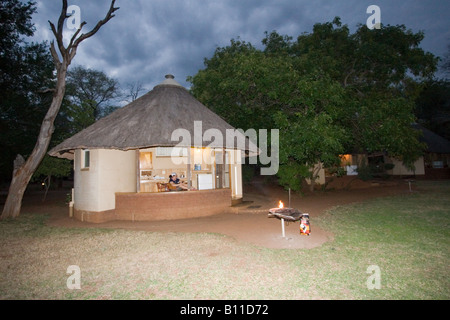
x: 250, y: 222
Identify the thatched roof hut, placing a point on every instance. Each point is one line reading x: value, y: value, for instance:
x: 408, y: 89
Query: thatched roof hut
x: 149, y: 122
x: 121, y: 165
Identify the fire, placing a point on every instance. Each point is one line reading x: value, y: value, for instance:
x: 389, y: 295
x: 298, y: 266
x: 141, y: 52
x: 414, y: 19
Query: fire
x: 280, y: 205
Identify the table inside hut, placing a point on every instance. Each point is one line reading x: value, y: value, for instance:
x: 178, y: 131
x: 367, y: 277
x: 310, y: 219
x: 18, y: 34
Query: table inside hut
x: 152, y: 184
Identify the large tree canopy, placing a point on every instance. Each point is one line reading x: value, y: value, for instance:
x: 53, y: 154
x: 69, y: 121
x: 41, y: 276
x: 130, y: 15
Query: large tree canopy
x: 329, y: 92
x: 90, y: 95
x: 433, y: 104
x: 92, y: 88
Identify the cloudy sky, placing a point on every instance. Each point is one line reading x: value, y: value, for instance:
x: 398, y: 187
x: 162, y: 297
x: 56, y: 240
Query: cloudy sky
x: 150, y: 38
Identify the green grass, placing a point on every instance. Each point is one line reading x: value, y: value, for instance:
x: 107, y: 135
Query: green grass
x: 406, y: 236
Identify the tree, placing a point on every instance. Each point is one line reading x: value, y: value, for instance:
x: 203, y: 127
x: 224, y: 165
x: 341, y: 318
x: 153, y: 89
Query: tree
x: 26, y: 71
x: 329, y: 92
x: 381, y: 71
x: 245, y: 86
x: 433, y: 107
x: 311, y: 138
x: 49, y: 168
x: 134, y: 91
x: 90, y: 95
x: 446, y: 63
x: 62, y: 57
x: 91, y: 89
x: 255, y: 89
x: 368, y: 59
x: 433, y: 103
x: 15, y: 22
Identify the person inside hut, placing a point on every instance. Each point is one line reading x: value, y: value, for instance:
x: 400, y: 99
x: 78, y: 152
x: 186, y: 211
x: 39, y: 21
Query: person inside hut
x: 175, y: 184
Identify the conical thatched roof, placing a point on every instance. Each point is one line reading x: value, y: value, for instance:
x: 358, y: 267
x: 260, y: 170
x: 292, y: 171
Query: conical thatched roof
x: 435, y: 143
x: 149, y: 122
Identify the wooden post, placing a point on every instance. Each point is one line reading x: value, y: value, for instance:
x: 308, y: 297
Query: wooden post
x: 71, y: 203
x: 138, y: 172
x: 212, y: 153
x: 223, y: 167
x: 188, y: 169
x: 235, y: 181
x: 289, y: 197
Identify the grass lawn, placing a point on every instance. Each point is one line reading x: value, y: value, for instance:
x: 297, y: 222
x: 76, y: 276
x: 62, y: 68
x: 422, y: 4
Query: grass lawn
x: 407, y: 237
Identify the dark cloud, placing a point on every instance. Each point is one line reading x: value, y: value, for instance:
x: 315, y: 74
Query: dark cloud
x: 148, y: 39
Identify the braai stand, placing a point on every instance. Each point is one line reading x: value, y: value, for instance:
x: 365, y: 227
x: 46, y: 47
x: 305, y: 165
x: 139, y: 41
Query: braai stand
x: 288, y: 214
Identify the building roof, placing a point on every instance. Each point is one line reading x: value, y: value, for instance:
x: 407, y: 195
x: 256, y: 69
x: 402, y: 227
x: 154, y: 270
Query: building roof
x: 435, y: 143
x: 150, y: 121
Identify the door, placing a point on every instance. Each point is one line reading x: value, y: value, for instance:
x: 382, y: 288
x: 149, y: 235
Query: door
x: 222, y: 170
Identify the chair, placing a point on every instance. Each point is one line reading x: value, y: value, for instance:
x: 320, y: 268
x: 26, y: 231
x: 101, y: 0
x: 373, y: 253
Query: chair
x: 162, y: 187
x: 171, y: 187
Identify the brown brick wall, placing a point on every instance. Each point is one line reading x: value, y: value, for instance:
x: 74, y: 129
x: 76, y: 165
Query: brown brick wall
x: 162, y: 206
x: 172, y: 205
x: 94, y: 217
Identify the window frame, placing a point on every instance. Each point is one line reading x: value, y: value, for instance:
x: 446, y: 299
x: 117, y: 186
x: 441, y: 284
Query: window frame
x: 85, y: 159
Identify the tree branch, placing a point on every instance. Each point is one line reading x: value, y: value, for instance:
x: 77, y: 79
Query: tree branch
x: 54, y: 55
x: 69, y: 52
x: 62, y: 18
x: 76, y: 34
x: 59, y: 39
x: 108, y: 17
x: 47, y: 90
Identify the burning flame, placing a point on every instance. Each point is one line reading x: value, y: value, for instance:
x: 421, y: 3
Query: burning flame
x: 280, y: 205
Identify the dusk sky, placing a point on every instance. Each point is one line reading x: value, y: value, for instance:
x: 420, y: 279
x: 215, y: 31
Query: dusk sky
x: 150, y: 38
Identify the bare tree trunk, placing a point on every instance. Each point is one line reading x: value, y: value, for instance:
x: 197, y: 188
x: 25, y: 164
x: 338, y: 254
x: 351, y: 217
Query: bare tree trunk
x: 314, y: 176
x: 24, y: 170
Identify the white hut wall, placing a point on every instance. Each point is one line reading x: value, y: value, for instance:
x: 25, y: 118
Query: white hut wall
x: 400, y: 170
x: 86, y: 191
x: 117, y: 174
x: 109, y: 171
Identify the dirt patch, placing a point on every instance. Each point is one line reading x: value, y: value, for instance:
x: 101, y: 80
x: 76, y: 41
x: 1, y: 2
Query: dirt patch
x: 249, y: 223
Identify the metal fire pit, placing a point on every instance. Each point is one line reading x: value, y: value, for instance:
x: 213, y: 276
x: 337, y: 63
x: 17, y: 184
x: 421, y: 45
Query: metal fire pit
x: 288, y: 214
